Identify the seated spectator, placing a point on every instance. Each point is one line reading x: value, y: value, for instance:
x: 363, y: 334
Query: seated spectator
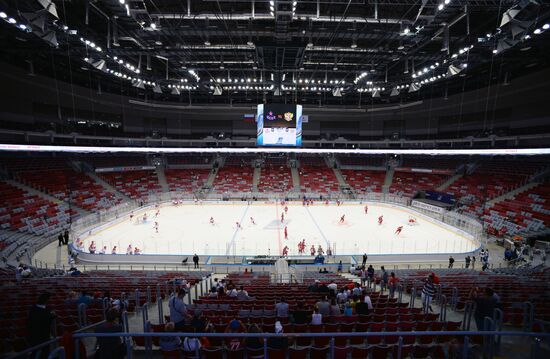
x: 314, y: 287
x: 254, y: 342
x: 213, y: 293
x: 316, y: 318
x: 357, y: 290
x: 278, y: 342
x: 242, y: 294
x: 281, y: 308
x: 197, y: 322
x: 235, y: 326
x: 334, y: 308
x: 168, y: 344
x: 300, y: 315
x: 191, y: 344
x: 110, y: 347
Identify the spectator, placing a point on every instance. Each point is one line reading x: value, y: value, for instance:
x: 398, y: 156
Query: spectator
x: 363, y: 276
x: 168, y: 344
x: 335, y: 308
x: 485, y: 305
x: 235, y: 326
x: 213, y: 293
x: 278, y: 342
x: 348, y: 310
x: 60, y: 239
x: 84, y: 298
x: 316, y: 318
x: 340, y: 267
x: 333, y: 287
x: 428, y: 291
x: 357, y: 290
x: 361, y: 308
x: 384, y: 278
x: 368, y: 301
x: 314, y: 287
x: 110, y: 347
x: 473, y: 262
x: 467, y: 260
x: 66, y: 237
x: 300, y: 315
x: 197, y: 322
x: 39, y: 324
x: 370, y: 273
x: 254, y: 342
x: 352, y: 269
x: 191, y: 344
x: 451, y: 261
x: 196, y: 261
x: 281, y: 308
x: 392, y: 284
x: 365, y: 257
x: 342, y: 296
x: 242, y: 294
x: 178, y: 309
x: 323, y: 306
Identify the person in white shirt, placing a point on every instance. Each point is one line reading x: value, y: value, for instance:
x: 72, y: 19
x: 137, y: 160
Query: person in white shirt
x: 233, y: 293
x: 368, y: 301
x: 103, y: 250
x: 129, y: 250
x: 342, y: 296
x: 316, y: 318
x: 242, y: 294
x: 333, y: 287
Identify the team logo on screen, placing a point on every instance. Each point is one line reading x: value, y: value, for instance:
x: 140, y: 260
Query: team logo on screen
x: 289, y: 116
x: 270, y: 116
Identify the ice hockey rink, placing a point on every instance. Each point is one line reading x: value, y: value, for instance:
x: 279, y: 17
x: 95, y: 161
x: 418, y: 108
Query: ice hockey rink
x: 186, y: 229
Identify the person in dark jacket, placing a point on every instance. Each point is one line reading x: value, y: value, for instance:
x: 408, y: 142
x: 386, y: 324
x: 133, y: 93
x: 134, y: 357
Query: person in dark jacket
x: 39, y: 324
x: 110, y: 347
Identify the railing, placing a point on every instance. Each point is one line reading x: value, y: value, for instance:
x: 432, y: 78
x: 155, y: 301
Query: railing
x: 489, y: 340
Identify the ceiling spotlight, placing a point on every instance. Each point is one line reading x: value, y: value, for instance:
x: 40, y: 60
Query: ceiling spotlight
x: 272, y: 3
x: 153, y: 26
x: 250, y: 43
x: 3, y: 15
x: 447, y: 2
x: 207, y: 43
x: 23, y: 27
x: 11, y: 20
x: 536, y: 32
x: 495, y: 51
x: 406, y: 30
x: 546, y: 26
x: 121, y: 2
x: 353, y: 45
x: 440, y: 7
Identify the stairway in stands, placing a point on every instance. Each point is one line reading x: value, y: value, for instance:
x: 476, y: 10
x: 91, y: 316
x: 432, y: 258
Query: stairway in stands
x: 388, y: 180
x: 162, y: 179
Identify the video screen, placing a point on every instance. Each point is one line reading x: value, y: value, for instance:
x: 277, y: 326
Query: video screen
x: 279, y: 125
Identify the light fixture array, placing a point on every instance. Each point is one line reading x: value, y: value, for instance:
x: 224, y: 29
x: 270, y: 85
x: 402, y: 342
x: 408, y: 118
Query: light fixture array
x: 12, y: 21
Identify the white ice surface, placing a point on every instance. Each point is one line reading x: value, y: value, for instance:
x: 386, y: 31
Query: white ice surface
x: 185, y: 229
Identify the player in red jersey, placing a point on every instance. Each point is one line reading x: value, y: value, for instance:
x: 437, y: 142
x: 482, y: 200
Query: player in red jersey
x: 398, y: 230
x: 285, y: 251
x: 366, y: 209
x: 343, y: 218
x: 412, y: 220
x: 312, y: 250
x: 282, y: 217
x: 380, y: 219
x: 286, y: 232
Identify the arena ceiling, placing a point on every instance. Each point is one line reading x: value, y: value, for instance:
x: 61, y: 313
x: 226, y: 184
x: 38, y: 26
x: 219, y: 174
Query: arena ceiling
x: 307, y: 51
